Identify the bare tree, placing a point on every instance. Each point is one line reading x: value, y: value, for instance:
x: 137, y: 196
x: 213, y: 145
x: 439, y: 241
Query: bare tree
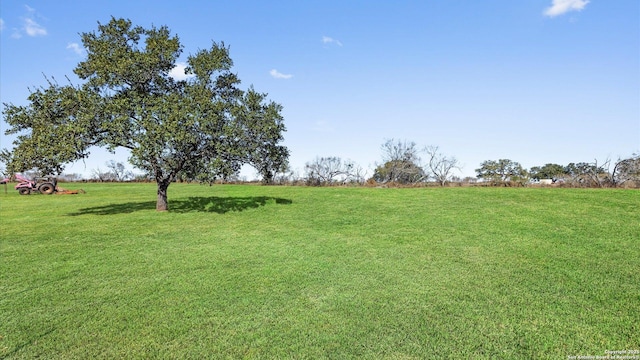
x: 285, y: 176
x: 328, y: 170
x: 98, y: 175
x: 440, y: 166
x: 118, y: 171
x: 593, y: 174
x: 358, y: 174
x: 73, y: 177
x: 400, y: 163
x: 626, y: 170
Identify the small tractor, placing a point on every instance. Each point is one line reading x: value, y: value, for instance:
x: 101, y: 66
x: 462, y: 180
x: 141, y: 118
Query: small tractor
x: 43, y: 185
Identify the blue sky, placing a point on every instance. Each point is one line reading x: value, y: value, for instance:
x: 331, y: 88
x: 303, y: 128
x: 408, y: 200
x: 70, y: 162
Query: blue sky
x: 535, y: 81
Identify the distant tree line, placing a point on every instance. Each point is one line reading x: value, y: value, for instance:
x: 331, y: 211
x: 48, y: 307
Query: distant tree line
x: 404, y: 163
x: 505, y: 172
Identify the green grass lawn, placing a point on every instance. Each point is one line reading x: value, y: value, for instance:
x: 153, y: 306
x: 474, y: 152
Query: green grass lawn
x: 295, y: 272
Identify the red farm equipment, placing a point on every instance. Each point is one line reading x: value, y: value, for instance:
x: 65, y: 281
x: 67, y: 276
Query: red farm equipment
x: 43, y: 185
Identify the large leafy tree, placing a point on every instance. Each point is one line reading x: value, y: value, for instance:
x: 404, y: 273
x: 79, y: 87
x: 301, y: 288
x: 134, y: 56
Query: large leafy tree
x: 264, y: 128
x: 203, y: 127
x: 399, y: 171
x: 502, y: 171
x: 547, y: 171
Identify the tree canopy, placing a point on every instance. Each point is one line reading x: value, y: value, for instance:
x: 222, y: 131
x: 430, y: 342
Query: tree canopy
x: 203, y: 127
x: 502, y: 171
x: 547, y: 171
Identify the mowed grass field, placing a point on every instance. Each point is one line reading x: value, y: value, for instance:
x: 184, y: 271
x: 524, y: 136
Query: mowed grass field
x: 311, y: 273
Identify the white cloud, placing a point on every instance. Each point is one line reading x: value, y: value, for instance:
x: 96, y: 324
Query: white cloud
x: 76, y: 48
x: 32, y: 28
x: 278, y: 75
x: 29, y: 26
x: 329, y: 40
x: 559, y: 7
x: 177, y: 73
x: 1, y: 24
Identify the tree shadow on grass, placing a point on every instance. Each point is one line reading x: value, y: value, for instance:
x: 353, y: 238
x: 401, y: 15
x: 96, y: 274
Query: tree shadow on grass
x: 213, y: 204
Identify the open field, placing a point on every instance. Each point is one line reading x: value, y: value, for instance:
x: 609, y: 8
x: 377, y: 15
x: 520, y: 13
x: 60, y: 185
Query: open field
x: 295, y: 272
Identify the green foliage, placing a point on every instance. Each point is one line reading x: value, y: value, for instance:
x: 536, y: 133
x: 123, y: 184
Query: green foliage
x: 624, y: 172
x: 299, y: 272
x: 548, y: 171
x: 200, y: 128
x: 583, y: 169
x: 263, y: 129
x: 586, y: 174
x: 399, y: 171
x: 58, y: 126
x: 502, y: 171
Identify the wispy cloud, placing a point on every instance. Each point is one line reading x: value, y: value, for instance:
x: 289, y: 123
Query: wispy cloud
x: 76, y: 48
x: 30, y: 26
x: 329, y: 40
x: 177, y: 73
x: 1, y: 24
x: 559, y: 7
x: 278, y: 75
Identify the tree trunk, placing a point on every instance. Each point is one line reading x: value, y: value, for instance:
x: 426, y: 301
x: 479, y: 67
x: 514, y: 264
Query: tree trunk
x: 162, y: 204
x: 267, y: 177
